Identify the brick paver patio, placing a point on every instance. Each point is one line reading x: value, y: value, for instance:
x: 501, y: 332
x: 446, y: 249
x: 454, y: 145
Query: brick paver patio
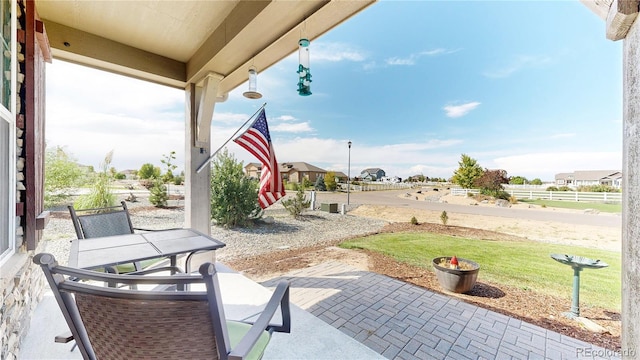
x: 404, y: 321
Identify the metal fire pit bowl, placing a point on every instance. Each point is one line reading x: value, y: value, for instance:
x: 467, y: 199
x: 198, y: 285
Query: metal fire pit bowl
x: 577, y: 263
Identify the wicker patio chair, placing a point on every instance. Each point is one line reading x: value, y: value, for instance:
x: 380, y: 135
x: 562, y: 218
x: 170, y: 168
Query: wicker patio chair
x: 122, y: 323
x: 110, y: 221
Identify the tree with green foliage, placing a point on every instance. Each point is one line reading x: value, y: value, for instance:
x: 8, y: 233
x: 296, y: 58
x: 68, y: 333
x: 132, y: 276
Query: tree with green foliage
x: 518, y: 180
x: 298, y: 204
x: 469, y: 170
x: 536, y: 181
x: 62, y: 174
x: 234, y: 196
x: 101, y: 194
x: 148, y: 171
x: 330, y: 181
x: 319, y: 185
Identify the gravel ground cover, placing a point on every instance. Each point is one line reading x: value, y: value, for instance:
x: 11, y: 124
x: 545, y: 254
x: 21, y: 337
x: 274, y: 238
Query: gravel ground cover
x: 277, y: 230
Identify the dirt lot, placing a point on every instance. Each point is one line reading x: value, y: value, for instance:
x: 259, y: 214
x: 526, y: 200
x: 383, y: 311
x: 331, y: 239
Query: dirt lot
x: 540, y: 309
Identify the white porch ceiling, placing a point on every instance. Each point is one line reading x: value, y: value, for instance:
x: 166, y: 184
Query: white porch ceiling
x: 179, y: 42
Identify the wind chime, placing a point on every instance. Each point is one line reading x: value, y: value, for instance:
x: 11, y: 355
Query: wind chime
x: 304, y: 74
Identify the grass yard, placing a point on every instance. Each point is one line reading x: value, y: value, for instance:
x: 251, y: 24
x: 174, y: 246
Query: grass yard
x: 523, y: 264
x: 609, y: 208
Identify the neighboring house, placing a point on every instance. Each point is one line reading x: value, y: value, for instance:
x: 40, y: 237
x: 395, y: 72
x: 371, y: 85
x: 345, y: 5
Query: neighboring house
x: 340, y: 176
x: 289, y: 171
x: 253, y: 170
x: 372, y: 174
x: 296, y: 171
x: 564, y: 179
x: 611, y: 178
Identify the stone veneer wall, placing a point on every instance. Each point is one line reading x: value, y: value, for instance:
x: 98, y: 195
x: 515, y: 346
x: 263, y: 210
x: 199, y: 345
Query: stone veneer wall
x: 21, y: 281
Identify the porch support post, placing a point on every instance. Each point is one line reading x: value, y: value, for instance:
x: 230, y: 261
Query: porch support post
x: 200, y: 104
x: 631, y: 195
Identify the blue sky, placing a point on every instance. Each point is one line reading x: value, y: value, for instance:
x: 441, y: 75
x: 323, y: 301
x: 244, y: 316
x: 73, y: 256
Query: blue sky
x: 531, y: 87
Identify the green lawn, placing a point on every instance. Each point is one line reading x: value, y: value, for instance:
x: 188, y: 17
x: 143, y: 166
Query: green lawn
x: 524, y: 264
x: 610, y: 208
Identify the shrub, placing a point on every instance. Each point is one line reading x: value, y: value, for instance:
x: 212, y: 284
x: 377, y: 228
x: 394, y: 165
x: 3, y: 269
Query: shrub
x: 513, y: 200
x: 497, y: 194
x: 298, y: 204
x: 234, y: 196
x: 158, y: 196
x: 320, y: 186
x: 565, y: 188
x: 444, y: 218
x: 306, y: 183
x: 101, y: 194
x: 330, y: 181
x: 552, y: 188
x: 178, y: 180
x: 414, y: 221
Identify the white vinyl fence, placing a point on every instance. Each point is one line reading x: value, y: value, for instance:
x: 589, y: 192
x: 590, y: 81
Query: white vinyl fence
x: 553, y: 195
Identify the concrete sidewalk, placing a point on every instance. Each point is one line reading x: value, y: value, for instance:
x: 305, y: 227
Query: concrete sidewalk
x: 404, y: 321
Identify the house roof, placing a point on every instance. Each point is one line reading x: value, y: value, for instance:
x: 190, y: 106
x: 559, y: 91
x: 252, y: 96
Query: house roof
x: 371, y: 170
x: 339, y: 174
x: 175, y: 43
x: 300, y: 166
x: 595, y: 174
x: 563, y: 175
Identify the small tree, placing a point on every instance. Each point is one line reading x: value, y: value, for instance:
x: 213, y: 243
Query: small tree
x: 444, y: 218
x: 298, y: 204
x: 490, y: 183
x: 158, y: 193
x: 168, y: 162
x: 101, y: 194
x: 330, y: 181
x: 148, y: 171
x: 234, y: 199
x: 320, y: 186
x: 467, y: 173
x: 62, y: 173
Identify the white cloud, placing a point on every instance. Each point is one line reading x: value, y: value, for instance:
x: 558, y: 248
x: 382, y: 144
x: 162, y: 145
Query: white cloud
x: 292, y: 128
x: 413, y: 58
x: 518, y: 63
x: 286, y: 118
x: 334, y: 52
x: 455, y: 111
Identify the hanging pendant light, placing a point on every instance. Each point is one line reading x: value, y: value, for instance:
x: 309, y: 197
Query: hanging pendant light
x: 304, y: 74
x: 252, y: 93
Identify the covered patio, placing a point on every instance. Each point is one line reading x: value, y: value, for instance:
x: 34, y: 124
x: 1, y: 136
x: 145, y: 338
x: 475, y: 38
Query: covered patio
x: 341, y: 312
x: 207, y: 48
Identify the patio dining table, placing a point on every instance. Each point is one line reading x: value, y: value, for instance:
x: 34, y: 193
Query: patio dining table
x: 122, y: 249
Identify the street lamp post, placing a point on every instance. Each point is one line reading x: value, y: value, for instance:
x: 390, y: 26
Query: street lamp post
x: 349, y: 173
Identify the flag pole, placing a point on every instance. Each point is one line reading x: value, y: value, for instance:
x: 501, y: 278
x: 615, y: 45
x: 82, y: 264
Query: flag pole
x: 199, y: 169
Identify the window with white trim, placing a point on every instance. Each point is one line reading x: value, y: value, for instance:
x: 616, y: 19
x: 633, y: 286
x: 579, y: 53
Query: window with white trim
x: 7, y: 130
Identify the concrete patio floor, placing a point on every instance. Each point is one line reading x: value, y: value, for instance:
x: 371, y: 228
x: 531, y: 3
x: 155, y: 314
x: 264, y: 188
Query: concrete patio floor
x: 342, y: 312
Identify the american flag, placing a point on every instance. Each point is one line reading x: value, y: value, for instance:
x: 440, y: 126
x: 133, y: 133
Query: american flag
x: 257, y: 141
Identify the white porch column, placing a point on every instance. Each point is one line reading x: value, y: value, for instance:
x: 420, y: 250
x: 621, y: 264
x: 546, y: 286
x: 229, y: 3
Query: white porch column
x: 200, y: 103
x: 631, y: 199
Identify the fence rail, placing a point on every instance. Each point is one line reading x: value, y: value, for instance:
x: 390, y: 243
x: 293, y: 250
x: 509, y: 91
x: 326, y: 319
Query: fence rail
x: 553, y: 195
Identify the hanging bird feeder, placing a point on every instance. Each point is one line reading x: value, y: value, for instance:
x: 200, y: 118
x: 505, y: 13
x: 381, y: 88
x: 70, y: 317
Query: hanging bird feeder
x: 252, y: 93
x: 304, y: 75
